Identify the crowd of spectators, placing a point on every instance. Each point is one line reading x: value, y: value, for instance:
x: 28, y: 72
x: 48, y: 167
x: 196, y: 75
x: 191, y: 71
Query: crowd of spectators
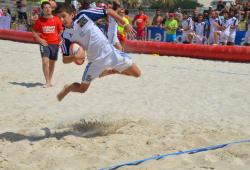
x: 216, y: 25
x: 212, y: 26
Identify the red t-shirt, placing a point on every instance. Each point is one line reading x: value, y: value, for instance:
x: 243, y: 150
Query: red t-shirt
x: 49, y: 29
x: 140, y: 21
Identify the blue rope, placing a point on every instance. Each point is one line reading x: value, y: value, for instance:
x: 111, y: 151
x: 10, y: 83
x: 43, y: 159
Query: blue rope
x: 192, y: 151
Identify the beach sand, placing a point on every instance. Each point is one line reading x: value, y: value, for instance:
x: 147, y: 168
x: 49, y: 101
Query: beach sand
x: 177, y: 104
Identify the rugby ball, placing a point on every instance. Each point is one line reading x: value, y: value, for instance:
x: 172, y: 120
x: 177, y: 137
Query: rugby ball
x: 73, y: 49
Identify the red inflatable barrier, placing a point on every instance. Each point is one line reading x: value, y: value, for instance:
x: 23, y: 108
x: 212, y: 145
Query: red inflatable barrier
x: 225, y: 53
x: 218, y: 52
x: 20, y: 36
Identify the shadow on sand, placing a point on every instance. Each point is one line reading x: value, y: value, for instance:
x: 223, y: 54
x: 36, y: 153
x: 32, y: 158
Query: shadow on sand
x: 27, y: 85
x: 82, y: 129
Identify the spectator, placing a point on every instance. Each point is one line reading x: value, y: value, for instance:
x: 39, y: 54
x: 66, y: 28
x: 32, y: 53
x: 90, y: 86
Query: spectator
x: 220, y: 5
x: 247, y: 36
x: 127, y: 15
x: 5, y: 19
x: 22, y: 11
x: 47, y: 30
x: 213, y: 27
x: 121, y: 33
x: 157, y: 20
x: 200, y: 30
x: 165, y: 18
x: 179, y: 15
x: 234, y: 22
x: 224, y: 29
x: 34, y: 16
x: 140, y: 21
x: 171, y: 26
x: 246, y: 9
x: 187, y: 28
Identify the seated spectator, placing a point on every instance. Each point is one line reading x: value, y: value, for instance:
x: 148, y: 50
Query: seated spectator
x: 157, y: 20
x: 171, y: 26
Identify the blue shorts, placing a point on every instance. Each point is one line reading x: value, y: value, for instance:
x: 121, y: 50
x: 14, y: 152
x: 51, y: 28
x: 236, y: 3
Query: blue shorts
x: 171, y: 38
x: 50, y: 51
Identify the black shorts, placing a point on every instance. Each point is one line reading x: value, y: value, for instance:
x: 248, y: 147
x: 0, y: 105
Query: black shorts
x: 50, y: 51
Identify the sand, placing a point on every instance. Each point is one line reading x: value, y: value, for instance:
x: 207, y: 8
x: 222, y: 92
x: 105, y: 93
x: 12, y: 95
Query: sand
x: 177, y: 104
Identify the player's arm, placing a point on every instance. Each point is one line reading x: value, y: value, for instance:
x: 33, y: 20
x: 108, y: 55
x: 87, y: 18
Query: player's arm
x: 127, y: 27
x: 67, y: 58
x: 38, y: 38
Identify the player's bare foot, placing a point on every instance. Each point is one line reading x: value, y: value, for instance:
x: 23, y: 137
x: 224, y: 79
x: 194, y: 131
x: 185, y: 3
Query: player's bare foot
x: 47, y: 85
x: 63, y: 93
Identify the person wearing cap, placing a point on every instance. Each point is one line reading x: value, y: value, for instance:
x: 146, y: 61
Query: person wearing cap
x: 171, y: 26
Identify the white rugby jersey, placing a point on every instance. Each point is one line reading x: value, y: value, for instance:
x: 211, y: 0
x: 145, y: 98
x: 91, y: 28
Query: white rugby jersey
x: 112, y: 28
x: 200, y: 28
x: 234, y: 22
x: 187, y: 23
x: 85, y: 32
x: 212, y: 22
x: 226, y: 23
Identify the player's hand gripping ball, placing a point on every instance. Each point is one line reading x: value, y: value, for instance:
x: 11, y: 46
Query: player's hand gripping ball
x: 76, y: 50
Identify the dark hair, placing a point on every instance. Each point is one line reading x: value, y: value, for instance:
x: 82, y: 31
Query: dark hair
x: 200, y: 15
x: 115, y: 5
x: 45, y: 3
x: 126, y: 11
x: 65, y: 8
x: 85, y: 4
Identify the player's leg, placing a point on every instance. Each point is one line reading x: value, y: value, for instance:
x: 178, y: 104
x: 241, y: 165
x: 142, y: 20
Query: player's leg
x: 124, y: 65
x: 45, y: 52
x: 133, y: 70
x: 53, y: 58
x: 74, y: 87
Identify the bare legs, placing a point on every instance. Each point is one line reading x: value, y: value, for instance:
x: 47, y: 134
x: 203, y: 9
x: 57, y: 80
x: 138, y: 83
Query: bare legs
x: 48, y: 70
x: 74, y: 87
x: 133, y: 70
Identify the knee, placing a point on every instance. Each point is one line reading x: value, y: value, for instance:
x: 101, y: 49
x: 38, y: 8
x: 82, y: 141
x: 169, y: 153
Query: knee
x: 137, y: 74
x: 83, y: 88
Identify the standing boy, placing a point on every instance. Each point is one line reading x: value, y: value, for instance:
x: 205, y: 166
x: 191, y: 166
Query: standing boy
x: 49, y: 27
